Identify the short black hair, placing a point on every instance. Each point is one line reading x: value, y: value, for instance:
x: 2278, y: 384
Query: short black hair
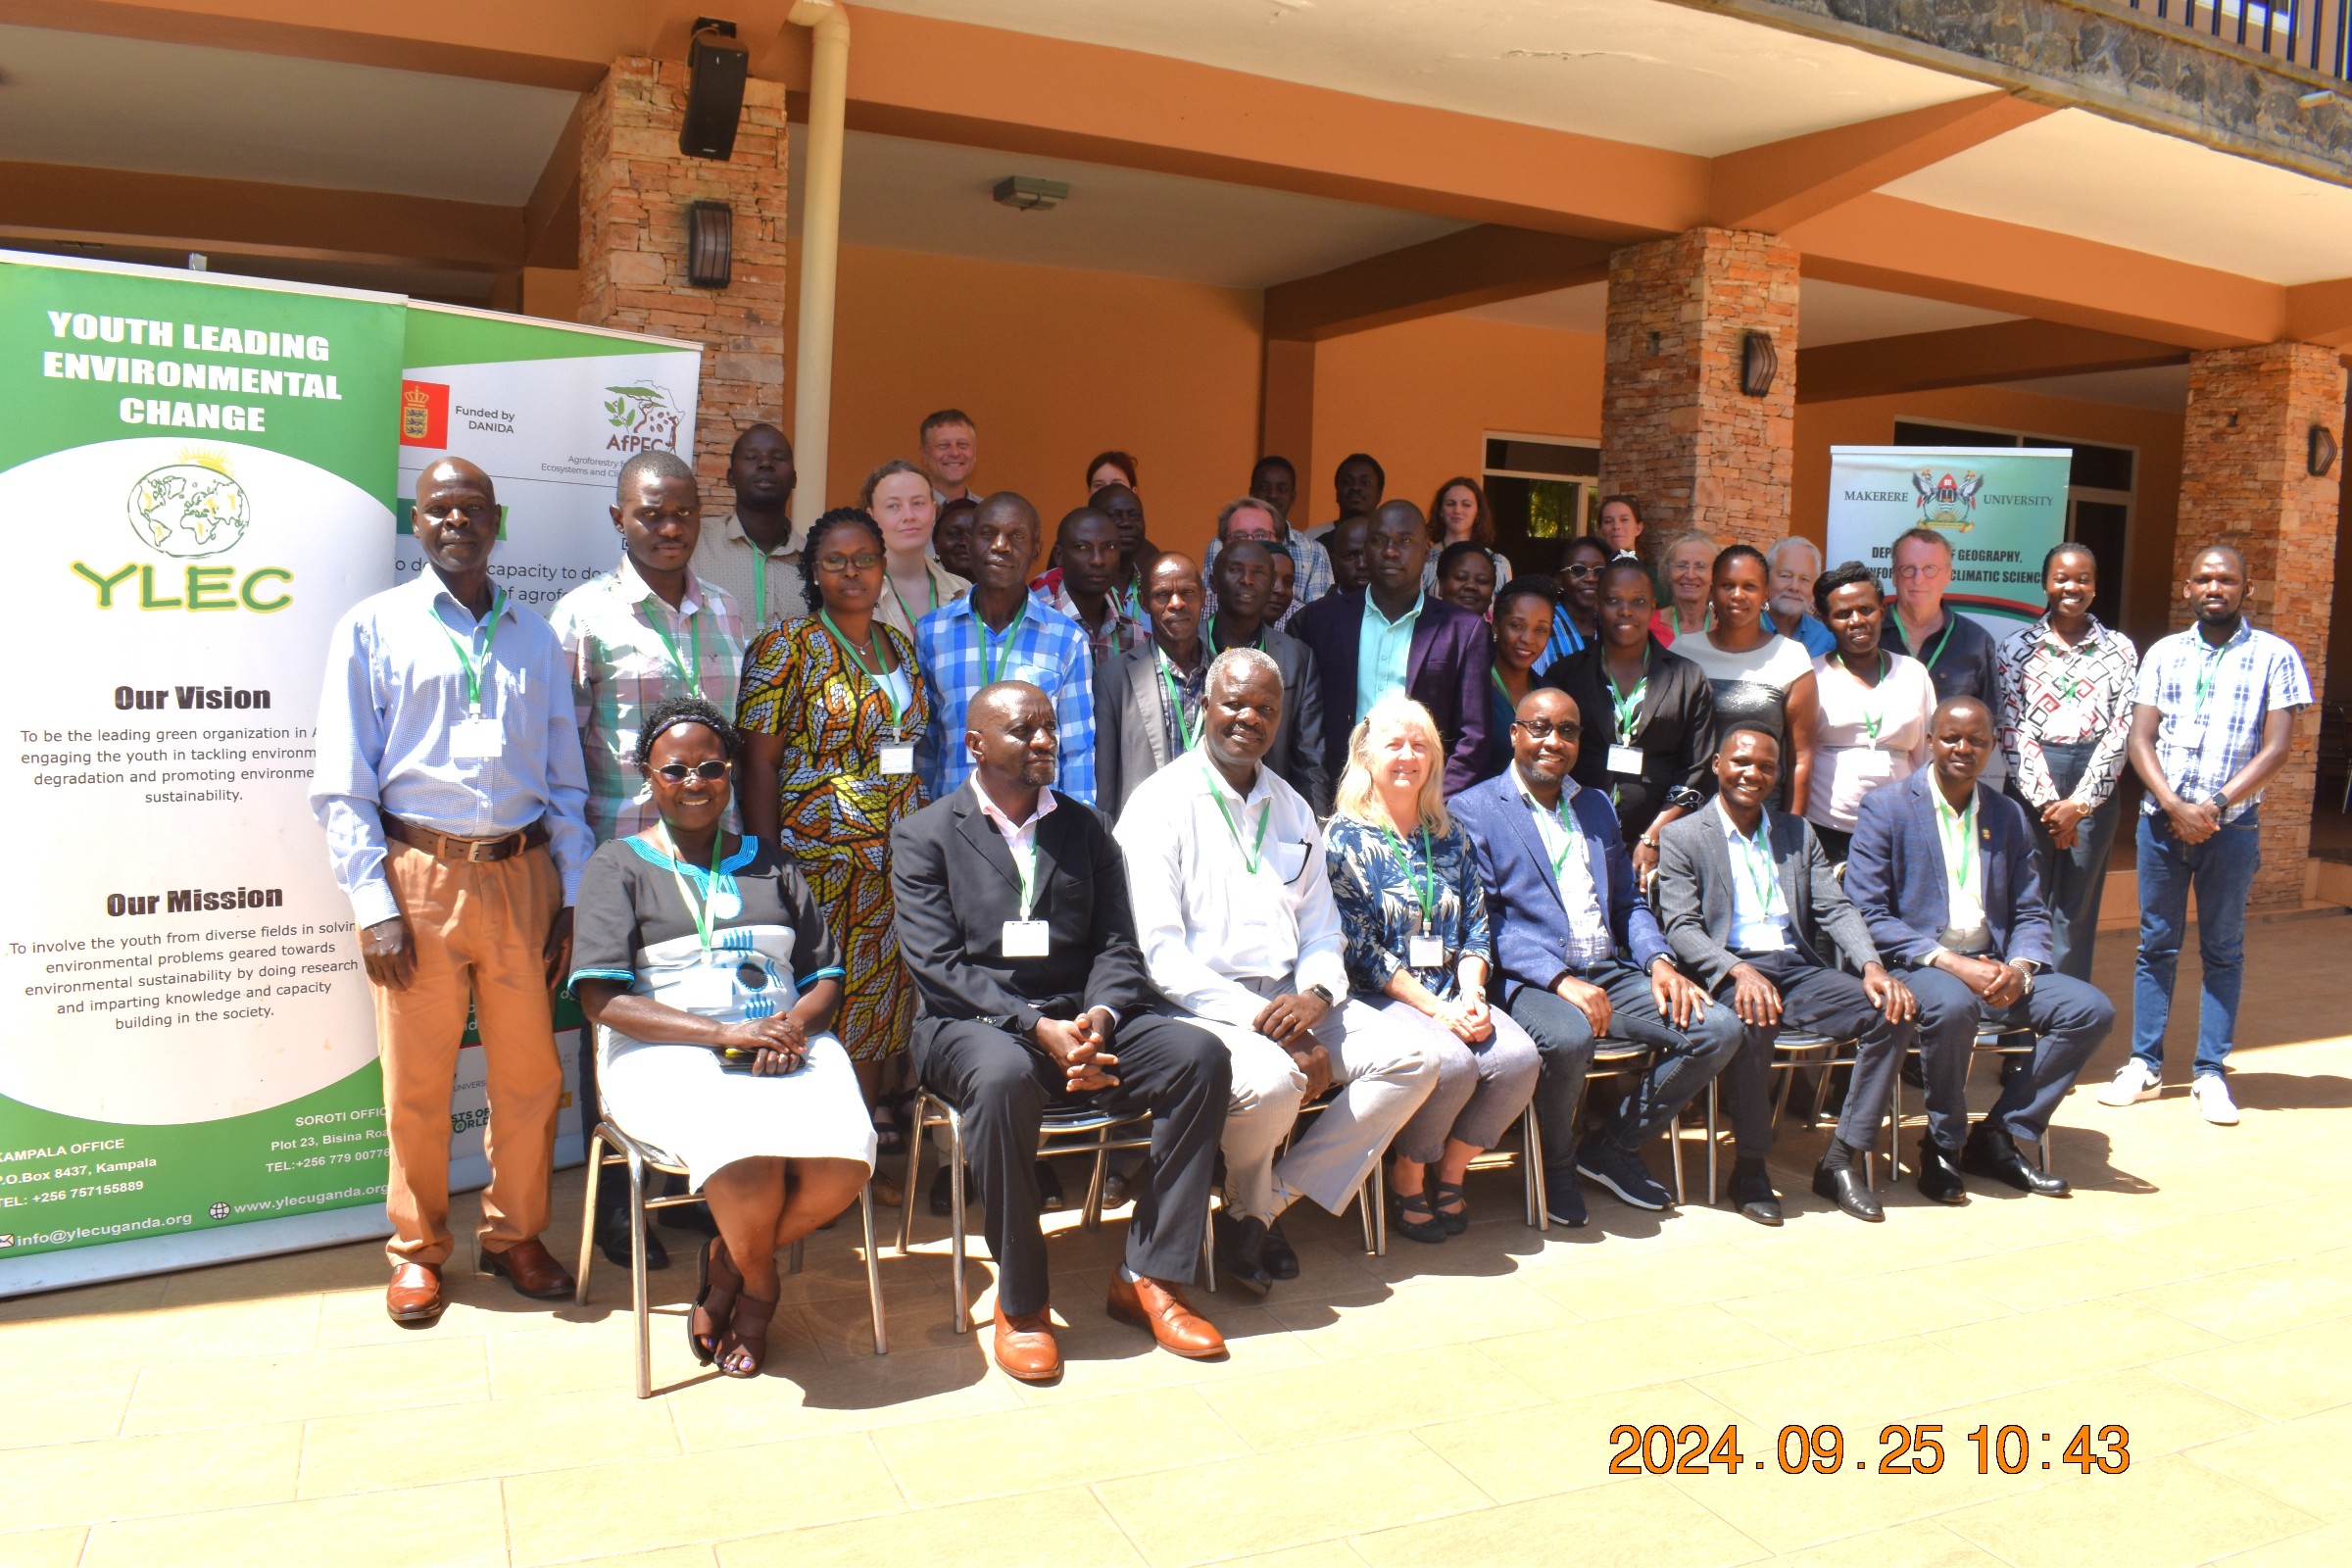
x: 839, y: 518
x: 1723, y: 742
x: 1272, y: 460
x: 686, y: 709
x: 1368, y: 461
x: 2069, y: 547
x: 1845, y: 574
x: 1730, y: 552
x: 1631, y: 563
x: 749, y: 430
x: 1527, y: 588
x: 1456, y: 550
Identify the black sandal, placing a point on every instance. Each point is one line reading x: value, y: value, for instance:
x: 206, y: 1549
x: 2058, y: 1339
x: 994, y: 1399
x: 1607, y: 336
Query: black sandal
x: 713, y: 1305
x: 745, y: 1349
x: 889, y: 1116
x: 1430, y: 1228
x: 1455, y: 1219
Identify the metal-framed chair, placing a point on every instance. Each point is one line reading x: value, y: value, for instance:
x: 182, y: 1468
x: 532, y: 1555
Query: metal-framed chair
x: 1615, y: 1059
x: 619, y: 1148
x: 1992, y: 1040
x: 1372, y: 1195
x: 1067, y: 1130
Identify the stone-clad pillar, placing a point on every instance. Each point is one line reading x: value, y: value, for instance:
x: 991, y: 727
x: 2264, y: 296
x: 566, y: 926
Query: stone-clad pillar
x: 1676, y: 431
x: 634, y: 189
x: 2245, y: 480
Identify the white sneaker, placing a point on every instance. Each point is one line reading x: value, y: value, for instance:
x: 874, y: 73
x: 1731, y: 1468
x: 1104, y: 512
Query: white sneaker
x: 2211, y: 1092
x: 2134, y: 1082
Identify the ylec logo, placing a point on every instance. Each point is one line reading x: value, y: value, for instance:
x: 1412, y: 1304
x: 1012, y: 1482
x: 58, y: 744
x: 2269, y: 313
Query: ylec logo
x: 189, y: 510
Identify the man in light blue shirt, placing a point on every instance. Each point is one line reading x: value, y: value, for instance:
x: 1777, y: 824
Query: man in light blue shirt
x: 451, y: 786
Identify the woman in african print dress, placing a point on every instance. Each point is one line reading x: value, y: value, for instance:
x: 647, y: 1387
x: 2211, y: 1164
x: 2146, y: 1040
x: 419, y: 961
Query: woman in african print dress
x: 831, y: 706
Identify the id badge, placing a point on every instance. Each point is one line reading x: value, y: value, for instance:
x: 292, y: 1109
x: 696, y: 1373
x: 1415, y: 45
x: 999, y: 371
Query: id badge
x: 476, y: 739
x: 898, y: 757
x: 705, y: 989
x: 1026, y: 938
x: 1626, y: 761
x: 1423, y: 953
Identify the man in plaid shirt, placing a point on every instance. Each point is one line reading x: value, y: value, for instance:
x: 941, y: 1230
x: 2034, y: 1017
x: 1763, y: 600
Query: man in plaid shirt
x: 1001, y: 631
x: 2215, y: 713
x: 648, y: 631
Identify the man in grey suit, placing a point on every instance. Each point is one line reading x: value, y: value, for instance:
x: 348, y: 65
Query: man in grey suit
x: 1743, y: 894
x: 1148, y: 703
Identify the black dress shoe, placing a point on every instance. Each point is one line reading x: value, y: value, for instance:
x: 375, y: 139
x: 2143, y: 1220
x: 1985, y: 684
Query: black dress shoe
x: 943, y: 1196
x: 1843, y: 1185
x: 1990, y: 1151
x: 1752, y: 1194
x: 1276, y: 1253
x: 1048, y: 1189
x: 1122, y: 1183
x: 1938, y: 1178
x: 1241, y: 1252
x: 694, y: 1217
x: 612, y: 1240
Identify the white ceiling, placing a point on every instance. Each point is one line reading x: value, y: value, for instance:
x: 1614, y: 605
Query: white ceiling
x: 2076, y: 173
x: 1825, y: 313
x: 1635, y: 71
x: 173, y: 109
x: 910, y: 195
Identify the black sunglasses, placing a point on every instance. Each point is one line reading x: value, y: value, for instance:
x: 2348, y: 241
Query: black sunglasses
x: 1543, y: 729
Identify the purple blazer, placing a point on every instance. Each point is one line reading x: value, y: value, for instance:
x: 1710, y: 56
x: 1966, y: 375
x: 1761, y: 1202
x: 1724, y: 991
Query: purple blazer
x: 1446, y: 671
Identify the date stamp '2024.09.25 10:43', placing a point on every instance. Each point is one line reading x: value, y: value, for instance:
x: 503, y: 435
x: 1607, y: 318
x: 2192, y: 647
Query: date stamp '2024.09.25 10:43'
x: 1904, y: 1450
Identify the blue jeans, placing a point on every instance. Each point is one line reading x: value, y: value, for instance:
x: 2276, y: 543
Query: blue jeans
x: 2222, y: 873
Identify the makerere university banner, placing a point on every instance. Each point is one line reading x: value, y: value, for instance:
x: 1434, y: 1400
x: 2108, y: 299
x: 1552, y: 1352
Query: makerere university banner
x: 2001, y: 508
x: 205, y: 473
x: 197, y: 477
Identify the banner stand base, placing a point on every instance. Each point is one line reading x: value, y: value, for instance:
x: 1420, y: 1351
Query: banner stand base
x: 160, y: 1254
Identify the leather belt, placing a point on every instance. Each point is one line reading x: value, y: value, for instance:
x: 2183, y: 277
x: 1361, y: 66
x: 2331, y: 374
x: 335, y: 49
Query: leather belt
x: 449, y: 847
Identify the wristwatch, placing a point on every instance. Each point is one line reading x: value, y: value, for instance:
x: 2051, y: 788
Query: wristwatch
x: 1649, y: 838
x: 1323, y: 991
x: 2218, y: 799
x: 2026, y: 968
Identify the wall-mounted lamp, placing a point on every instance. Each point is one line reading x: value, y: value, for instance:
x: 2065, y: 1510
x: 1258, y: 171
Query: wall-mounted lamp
x: 1759, y: 362
x: 709, y: 244
x: 1030, y: 194
x: 2322, y: 455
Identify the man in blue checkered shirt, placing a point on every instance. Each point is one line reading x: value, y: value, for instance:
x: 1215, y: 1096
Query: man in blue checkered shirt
x: 1001, y: 631
x: 2214, y: 716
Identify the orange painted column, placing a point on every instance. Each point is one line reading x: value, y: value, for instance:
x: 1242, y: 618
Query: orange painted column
x: 1286, y: 426
x: 1677, y: 431
x: 635, y: 186
x: 2246, y: 480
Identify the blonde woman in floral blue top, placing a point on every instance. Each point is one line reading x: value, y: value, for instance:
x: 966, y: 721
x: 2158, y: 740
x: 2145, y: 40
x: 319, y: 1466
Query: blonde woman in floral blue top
x: 1415, y: 920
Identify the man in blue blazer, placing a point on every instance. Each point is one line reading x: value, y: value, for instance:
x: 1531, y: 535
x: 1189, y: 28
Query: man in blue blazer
x: 1390, y: 636
x: 1943, y: 870
x: 1581, y: 957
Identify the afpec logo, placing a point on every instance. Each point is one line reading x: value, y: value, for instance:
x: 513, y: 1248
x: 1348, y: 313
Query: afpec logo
x: 643, y: 419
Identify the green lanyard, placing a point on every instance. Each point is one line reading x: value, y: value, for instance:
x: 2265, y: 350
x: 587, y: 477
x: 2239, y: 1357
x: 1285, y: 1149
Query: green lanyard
x: 1958, y: 832
x: 1186, y: 735
x: 1760, y: 874
x: 1873, y: 716
x: 1250, y: 857
x: 1567, y: 830
x: 1627, y: 705
x: 993, y: 646
x: 473, y: 667
x: 701, y: 910
x: 2213, y: 667
x: 1929, y: 658
x: 688, y: 673
x: 1425, y: 889
x: 759, y: 589
x: 929, y: 582
x: 873, y: 675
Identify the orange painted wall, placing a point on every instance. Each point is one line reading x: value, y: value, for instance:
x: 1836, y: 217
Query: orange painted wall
x: 1056, y: 366
x: 2156, y: 478
x: 1421, y: 397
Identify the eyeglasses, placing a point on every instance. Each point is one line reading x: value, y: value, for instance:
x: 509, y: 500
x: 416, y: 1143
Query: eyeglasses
x: 1543, y: 729
x: 863, y: 560
x: 1581, y: 570
x: 707, y: 772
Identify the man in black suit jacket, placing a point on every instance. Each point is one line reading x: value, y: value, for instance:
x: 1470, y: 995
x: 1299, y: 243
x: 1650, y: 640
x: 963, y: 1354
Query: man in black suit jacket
x: 1137, y: 696
x: 1012, y: 913
x: 1448, y: 655
x: 1746, y: 896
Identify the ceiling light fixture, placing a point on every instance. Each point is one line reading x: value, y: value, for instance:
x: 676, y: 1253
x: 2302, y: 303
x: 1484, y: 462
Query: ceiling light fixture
x: 1029, y: 194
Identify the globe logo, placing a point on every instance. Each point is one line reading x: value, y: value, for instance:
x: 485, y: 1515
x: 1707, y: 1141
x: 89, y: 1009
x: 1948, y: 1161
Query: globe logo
x: 189, y: 509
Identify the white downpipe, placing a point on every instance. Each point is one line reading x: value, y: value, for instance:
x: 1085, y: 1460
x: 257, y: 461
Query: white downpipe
x: 820, y: 254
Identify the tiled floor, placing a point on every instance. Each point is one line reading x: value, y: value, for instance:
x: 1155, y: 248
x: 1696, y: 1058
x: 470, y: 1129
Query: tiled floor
x: 1448, y: 1405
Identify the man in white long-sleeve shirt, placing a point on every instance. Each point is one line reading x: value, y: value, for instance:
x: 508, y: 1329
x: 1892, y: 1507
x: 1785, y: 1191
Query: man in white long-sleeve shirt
x: 1233, y: 910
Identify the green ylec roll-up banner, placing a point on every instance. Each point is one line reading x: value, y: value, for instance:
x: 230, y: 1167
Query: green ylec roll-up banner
x: 200, y: 474
x: 2001, y: 508
x: 196, y: 482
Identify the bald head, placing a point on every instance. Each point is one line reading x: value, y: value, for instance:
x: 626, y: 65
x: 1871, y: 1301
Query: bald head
x: 457, y: 520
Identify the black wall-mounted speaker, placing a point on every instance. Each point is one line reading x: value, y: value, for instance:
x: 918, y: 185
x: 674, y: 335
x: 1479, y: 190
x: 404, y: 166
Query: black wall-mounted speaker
x: 717, y: 68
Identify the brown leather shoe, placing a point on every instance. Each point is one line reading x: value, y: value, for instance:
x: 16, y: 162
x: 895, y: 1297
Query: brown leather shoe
x: 532, y: 1268
x: 1149, y: 1304
x: 1026, y: 1347
x: 414, y: 1297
